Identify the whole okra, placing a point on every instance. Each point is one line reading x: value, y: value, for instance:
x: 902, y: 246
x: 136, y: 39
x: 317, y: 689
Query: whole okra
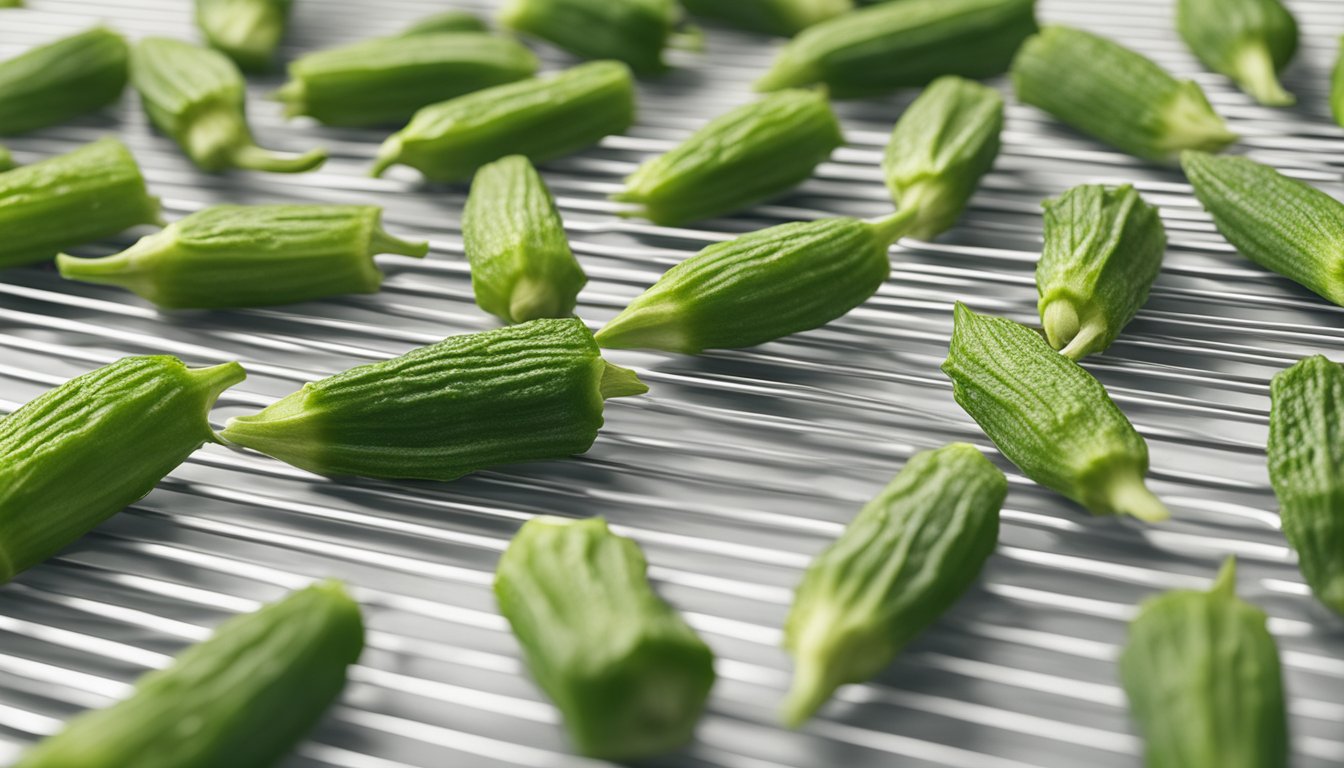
x: 447, y: 21
x: 540, y: 118
x: 90, y: 193
x: 1250, y: 41
x: 247, y: 31
x: 250, y: 256
x: 775, y: 17
x: 899, y: 45
x: 906, y: 558
x: 76, y: 455
x: 743, y: 157
x: 386, y: 80
x: 522, y: 393
x: 760, y: 287
x: 195, y: 95
x: 627, y: 673
x: 63, y: 79
x: 243, y: 697
x: 632, y: 31
x: 521, y: 264
x: 1202, y: 674
x: 1049, y: 416
x: 1116, y: 95
x: 1103, y: 250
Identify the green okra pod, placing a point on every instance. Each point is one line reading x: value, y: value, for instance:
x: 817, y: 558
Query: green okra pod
x: 11, y: 3
x: 250, y: 256
x: 446, y: 21
x: 1204, y: 683
x: 247, y: 31
x: 76, y: 455
x: 1116, y: 95
x: 521, y: 265
x: 743, y: 157
x: 521, y: 393
x: 1103, y: 250
x: 904, y: 44
x: 760, y: 287
x: 1250, y: 41
x: 93, y: 192
x: 627, y: 673
x: 386, y: 80
x: 196, y: 96
x: 906, y: 558
x: 941, y: 147
x: 1306, y: 466
x: 632, y: 31
x: 539, y: 118
x: 245, y: 696
x: 774, y: 17
x: 57, y: 81
x: 1049, y: 416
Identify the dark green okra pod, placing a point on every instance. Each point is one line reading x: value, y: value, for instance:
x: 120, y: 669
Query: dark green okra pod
x: 941, y: 147
x: 906, y: 558
x: 522, y: 393
x: 244, y: 697
x: 93, y: 192
x: 57, y: 81
x: 539, y: 118
x: 76, y: 455
x: 904, y: 44
x: 1250, y: 41
x: 743, y: 157
x: 632, y: 31
x: 195, y: 95
x: 446, y: 21
x: 386, y: 80
x: 627, y: 673
x: 521, y: 264
x: 760, y: 287
x: 1202, y: 674
x: 775, y: 17
x: 1306, y: 465
x: 247, y: 31
x: 1049, y: 416
x: 1103, y: 250
x: 251, y: 256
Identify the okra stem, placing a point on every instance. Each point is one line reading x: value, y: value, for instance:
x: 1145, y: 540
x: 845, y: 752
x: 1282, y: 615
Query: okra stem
x: 619, y: 382
x: 1257, y: 75
x: 256, y: 158
x: 892, y: 228
x: 1127, y: 495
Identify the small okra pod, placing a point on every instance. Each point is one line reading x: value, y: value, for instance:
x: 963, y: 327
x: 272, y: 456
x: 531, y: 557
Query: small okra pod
x: 196, y: 96
x: 93, y: 192
x: 247, y: 31
x: 1049, y: 416
x: 775, y: 17
x: 446, y: 21
x: 539, y: 118
x: 521, y: 393
x: 250, y: 256
x: 760, y: 287
x: 632, y: 31
x: 945, y: 142
x: 78, y: 454
x: 1103, y: 250
x: 1250, y: 41
x: 1116, y: 95
x: 743, y: 157
x: 906, y: 558
x: 521, y: 264
x: 245, y: 696
x: 1204, y: 683
x: 386, y: 80
x: 626, y: 672
x: 1306, y: 466
x: 57, y: 81
x: 899, y: 45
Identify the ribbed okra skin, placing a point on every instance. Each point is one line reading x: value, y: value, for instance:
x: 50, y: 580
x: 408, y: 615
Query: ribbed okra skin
x: 93, y: 192
x: 243, y: 697
x: 446, y: 21
x: 775, y: 17
x: 251, y: 256
x: 60, y: 80
x: 632, y: 31
x: 247, y: 31
x: 539, y: 118
x: 76, y: 455
x: 1116, y: 95
x: 627, y: 673
x: 1250, y: 41
x: 743, y: 157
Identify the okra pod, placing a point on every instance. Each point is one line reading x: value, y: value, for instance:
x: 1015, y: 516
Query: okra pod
x: 906, y: 558
x: 57, y: 81
x: 446, y: 21
x: 773, y: 17
x: 632, y: 31
x: 1250, y: 41
x: 743, y: 157
x: 250, y: 256
x: 11, y: 3
x: 195, y: 95
x: 243, y: 697
x: 627, y: 673
x: 247, y: 31
x: 1049, y: 416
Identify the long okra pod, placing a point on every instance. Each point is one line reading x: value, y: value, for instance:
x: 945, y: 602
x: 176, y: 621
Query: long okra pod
x: 775, y: 17
x: 1250, y: 41
x: 57, y: 81
x: 632, y: 31
x: 247, y: 31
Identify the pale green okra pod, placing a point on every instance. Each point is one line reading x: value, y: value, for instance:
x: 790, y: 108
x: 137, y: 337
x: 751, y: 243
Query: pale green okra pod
x: 63, y: 79
x: 1250, y: 41
x: 775, y: 17
x: 247, y: 31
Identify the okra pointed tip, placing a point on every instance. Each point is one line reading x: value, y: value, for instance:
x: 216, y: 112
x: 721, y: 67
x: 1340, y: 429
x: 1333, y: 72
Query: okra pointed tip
x: 1225, y: 583
x: 1257, y: 76
x: 891, y: 228
x: 807, y: 693
x: 1128, y: 495
x: 255, y: 158
x: 620, y: 382
x: 645, y: 327
x: 389, y: 154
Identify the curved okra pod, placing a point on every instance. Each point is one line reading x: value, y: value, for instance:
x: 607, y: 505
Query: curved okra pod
x: 632, y: 31
x: 446, y: 21
x: 57, y: 81
x: 774, y: 17
x: 247, y: 31
x: 1249, y: 41
x: 195, y: 95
